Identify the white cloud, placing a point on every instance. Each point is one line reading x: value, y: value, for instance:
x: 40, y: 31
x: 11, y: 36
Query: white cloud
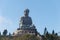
x: 4, y: 20
x: 5, y: 23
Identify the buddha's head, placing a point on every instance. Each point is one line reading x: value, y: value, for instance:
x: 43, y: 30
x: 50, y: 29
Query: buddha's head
x: 26, y: 12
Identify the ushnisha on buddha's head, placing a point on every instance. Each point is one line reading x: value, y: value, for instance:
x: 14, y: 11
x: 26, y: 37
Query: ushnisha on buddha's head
x: 26, y: 12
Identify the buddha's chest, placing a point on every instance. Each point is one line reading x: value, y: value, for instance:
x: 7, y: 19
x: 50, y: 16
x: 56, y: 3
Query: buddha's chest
x: 26, y: 19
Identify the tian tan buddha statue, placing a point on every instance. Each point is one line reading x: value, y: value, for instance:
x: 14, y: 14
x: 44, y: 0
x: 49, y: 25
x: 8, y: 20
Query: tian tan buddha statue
x: 25, y: 25
x: 25, y: 20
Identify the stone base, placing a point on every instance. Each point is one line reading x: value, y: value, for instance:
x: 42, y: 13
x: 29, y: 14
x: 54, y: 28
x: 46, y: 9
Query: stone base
x: 25, y: 31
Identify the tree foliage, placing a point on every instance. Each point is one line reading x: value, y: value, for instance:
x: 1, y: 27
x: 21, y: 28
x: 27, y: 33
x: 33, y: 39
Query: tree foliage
x: 45, y: 31
x: 29, y: 37
x: 5, y: 32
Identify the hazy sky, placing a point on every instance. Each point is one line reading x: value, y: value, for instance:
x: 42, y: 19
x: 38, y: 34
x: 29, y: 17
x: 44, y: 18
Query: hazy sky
x: 44, y: 13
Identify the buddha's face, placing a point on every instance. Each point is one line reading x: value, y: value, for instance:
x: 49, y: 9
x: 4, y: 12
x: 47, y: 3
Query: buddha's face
x: 26, y: 13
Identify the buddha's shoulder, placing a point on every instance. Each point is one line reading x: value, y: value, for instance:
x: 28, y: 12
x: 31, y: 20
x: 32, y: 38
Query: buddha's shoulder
x: 22, y: 17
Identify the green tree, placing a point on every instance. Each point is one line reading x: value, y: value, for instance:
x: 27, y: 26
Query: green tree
x: 0, y: 33
x: 9, y: 34
x: 5, y: 32
x: 53, y: 32
x: 56, y: 34
x: 45, y: 31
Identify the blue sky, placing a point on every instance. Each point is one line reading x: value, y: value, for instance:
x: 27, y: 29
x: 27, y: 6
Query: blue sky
x: 44, y: 13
